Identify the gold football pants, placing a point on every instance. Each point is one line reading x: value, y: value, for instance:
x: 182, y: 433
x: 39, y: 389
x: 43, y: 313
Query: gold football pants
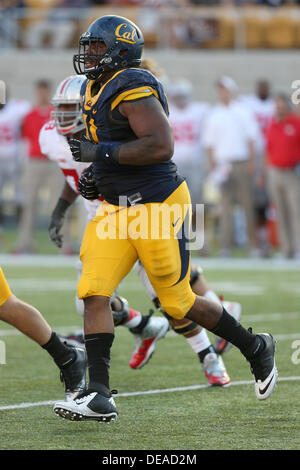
x: 155, y: 233
x: 5, y: 291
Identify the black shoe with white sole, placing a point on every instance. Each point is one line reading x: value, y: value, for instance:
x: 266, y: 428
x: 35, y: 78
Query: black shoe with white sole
x: 74, y: 375
x: 264, y: 369
x: 90, y: 406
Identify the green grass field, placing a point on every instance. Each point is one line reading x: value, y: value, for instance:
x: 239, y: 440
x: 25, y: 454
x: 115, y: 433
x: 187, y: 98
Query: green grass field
x: 211, y: 418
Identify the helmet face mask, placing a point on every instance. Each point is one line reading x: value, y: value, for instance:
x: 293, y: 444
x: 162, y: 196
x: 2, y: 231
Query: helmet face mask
x: 67, y: 118
x: 91, y: 60
x: 110, y: 43
x: 67, y: 113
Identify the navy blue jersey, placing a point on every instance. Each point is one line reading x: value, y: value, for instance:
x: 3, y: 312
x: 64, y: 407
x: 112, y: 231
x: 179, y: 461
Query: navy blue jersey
x: 104, y: 123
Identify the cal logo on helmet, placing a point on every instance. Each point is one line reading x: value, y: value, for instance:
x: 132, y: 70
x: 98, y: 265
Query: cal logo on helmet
x: 125, y: 35
x: 124, y: 45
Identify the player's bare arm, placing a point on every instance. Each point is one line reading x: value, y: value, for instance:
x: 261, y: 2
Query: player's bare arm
x: 68, y: 194
x: 150, y: 124
x: 67, y: 198
x: 154, y: 143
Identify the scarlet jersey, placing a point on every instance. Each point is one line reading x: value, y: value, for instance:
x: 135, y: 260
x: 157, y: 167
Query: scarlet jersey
x: 187, y: 127
x: 283, y: 142
x: 263, y: 111
x: 11, y: 117
x: 56, y: 148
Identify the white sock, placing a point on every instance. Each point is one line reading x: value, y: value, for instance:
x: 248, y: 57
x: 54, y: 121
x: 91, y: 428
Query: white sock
x: 134, y: 319
x: 199, y: 342
x: 210, y: 294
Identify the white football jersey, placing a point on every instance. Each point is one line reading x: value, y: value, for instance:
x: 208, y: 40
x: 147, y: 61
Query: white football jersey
x: 187, y: 127
x: 263, y: 111
x: 11, y: 117
x: 55, y: 146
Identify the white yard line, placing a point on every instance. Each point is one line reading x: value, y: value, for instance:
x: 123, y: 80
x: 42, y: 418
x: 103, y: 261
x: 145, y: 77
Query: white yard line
x: 63, y: 330
x: 58, y: 284
x: 278, y: 337
x: 227, y: 264
x: 261, y: 317
x: 42, y: 261
x: 246, y: 318
x: 232, y: 287
x: 65, y: 285
x: 146, y: 392
x: 43, y: 285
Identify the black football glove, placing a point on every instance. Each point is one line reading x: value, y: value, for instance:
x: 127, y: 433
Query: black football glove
x: 87, y: 184
x: 56, y: 222
x: 83, y: 151
x: 86, y: 151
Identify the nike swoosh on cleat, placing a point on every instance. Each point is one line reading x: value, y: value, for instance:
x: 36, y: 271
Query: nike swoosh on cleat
x: 67, y: 362
x: 263, y: 391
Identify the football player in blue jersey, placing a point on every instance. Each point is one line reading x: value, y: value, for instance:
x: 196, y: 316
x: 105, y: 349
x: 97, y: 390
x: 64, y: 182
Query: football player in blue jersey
x: 130, y: 144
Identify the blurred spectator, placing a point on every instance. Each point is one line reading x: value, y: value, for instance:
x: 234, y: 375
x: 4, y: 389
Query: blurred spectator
x: 11, y: 151
x: 229, y: 138
x: 59, y: 26
x: 39, y: 173
x: 283, y: 153
x: 262, y: 105
x: 270, y: 3
x: 9, y: 28
x: 192, y: 31
x: 187, y: 119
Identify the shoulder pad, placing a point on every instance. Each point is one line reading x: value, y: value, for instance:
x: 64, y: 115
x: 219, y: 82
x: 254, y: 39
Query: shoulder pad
x: 139, y: 82
x: 132, y: 78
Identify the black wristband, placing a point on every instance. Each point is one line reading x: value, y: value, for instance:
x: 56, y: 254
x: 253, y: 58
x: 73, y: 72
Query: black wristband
x: 108, y: 150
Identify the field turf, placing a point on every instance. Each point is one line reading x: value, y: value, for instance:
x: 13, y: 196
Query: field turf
x: 206, y: 418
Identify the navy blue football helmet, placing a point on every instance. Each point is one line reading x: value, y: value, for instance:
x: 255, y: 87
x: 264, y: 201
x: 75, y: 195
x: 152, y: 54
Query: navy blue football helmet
x: 124, y: 46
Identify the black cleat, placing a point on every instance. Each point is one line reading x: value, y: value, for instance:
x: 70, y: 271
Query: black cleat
x: 89, y: 406
x: 264, y: 369
x: 75, y: 340
x: 74, y: 375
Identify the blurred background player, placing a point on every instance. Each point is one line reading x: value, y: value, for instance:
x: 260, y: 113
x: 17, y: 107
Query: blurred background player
x: 27, y: 319
x: 39, y: 173
x: 283, y: 165
x: 11, y: 154
x: 187, y: 118
x: 229, y: 137
x: 261, y: 104
x: 196, y: 336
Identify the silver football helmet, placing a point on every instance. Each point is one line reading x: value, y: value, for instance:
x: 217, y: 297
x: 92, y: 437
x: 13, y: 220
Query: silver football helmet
x: 182, y: 88
x: 67, y: 95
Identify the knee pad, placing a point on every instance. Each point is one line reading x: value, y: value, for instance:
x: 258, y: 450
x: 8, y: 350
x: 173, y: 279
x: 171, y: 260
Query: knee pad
x: 184, y: 329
